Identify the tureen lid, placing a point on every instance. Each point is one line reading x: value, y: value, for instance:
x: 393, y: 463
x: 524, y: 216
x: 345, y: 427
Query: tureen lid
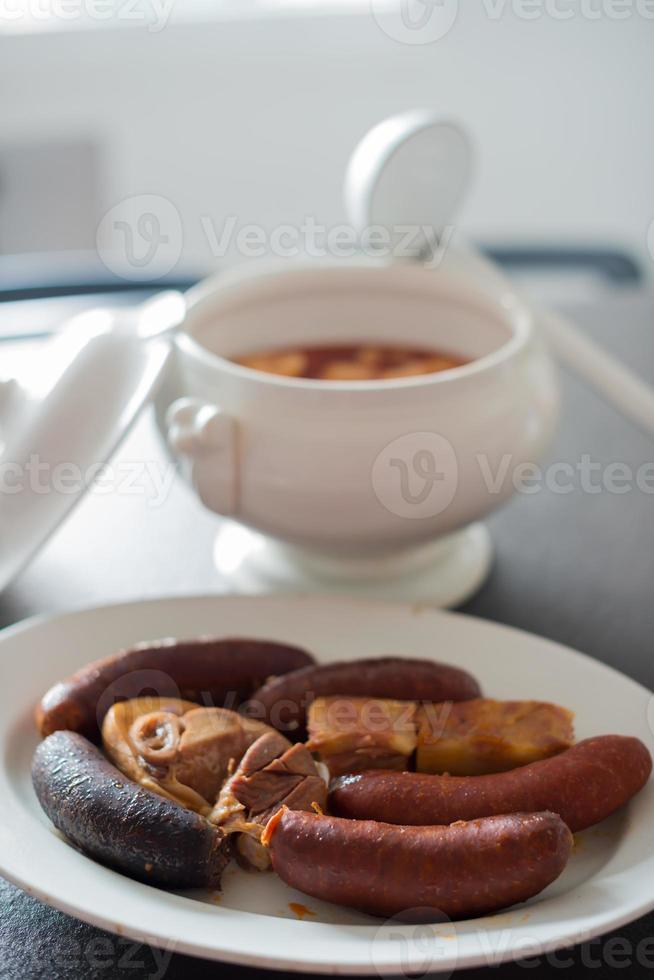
x: 60, y: 423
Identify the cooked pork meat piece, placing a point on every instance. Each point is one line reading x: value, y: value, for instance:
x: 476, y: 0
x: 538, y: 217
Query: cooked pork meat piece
x: 271, y: 773
x: 176, y: 748
x: 481, y: 736
x: 354, y: 734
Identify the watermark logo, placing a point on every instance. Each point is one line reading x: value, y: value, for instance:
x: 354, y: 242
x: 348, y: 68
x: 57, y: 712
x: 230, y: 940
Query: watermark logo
x: 146, y: 683
x: 418, y: 942
x: 141, y: 237
x: 415, y: 21
x: 427, y: 21
x: 416, y: 476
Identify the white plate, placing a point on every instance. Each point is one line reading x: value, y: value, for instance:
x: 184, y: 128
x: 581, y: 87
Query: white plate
x: 609, y: 881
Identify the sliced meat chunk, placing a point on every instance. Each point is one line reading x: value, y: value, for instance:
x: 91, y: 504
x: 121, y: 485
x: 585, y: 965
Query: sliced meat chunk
x: 355, y: 734
x: 272, y: 773
x: 479, y: 736
x: 176, y: 748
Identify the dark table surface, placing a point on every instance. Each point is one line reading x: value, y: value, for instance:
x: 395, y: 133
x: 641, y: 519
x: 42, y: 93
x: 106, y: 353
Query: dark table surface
x: 577, y: 567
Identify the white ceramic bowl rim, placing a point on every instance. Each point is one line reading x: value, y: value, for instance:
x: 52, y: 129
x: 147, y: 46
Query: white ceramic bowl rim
x: 506, y: 305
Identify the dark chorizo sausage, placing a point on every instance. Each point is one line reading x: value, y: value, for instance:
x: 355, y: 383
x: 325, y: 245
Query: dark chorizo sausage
x: 208, y: 670
x: 419, y: 873
x: 584, y: 785
x: 283, y: 701
x: 121, y: 824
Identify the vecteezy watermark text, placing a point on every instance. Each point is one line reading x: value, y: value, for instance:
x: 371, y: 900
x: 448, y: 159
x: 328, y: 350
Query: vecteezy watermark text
x: 97, y: 955
x: 152, y: 14
x: 427, y: 21
x: 563, y: 477
x: 142, y: 238
x: 569, y: 9
x: 152, y: 479
x: 417, y: 476
x: 316, y: 240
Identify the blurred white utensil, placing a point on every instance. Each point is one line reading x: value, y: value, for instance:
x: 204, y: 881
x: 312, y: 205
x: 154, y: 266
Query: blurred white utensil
x: 62, y: 421
x: 618, y: 384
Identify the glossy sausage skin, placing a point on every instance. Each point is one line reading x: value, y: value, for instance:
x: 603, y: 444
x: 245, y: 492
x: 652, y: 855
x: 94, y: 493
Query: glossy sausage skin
x: 121, y: 824
x: 215, y: 673
x: 283, y: 701
x: 583, y: 785
x: 419, y: 873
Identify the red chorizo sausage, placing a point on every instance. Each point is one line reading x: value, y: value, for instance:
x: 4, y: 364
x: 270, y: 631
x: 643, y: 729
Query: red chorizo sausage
x: 214, y: 672
x: 419, y: 873
x: 283, y: 701
x: 583, y: 785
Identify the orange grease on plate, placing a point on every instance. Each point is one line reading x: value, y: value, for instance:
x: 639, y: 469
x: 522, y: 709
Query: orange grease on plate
x: 300, y: 910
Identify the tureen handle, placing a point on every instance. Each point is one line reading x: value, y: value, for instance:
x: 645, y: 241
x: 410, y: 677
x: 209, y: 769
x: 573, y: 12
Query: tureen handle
x: 203, y: 437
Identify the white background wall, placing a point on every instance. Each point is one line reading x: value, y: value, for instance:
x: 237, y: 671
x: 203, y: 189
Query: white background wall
x: 256, y: 118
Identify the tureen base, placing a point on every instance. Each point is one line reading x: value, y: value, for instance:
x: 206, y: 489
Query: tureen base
x: 443, y: 573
